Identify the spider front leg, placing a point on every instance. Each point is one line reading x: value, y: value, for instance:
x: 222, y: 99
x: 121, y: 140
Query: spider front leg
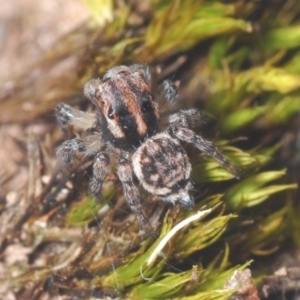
x: 189, y: 136
x: 132, y: 195
x: 66, y: 114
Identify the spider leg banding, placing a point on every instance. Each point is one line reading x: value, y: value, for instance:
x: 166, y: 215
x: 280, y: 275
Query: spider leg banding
x: 169, y: 89
x: 67, y: 152
x: 190, y: 118
x: 99, y: 173
x: 189, y: 136
x: 131, y: 192
x: 126, y: 122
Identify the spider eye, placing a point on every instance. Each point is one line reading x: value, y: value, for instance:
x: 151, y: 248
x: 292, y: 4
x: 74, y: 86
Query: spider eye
x: 146, y: 107
x: 110, y: 113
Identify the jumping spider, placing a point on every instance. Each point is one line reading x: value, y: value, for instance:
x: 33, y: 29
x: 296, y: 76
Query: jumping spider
x: 126, y: 122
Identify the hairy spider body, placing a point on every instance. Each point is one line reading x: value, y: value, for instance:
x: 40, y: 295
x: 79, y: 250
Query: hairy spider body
x: 129, y: 114
x: 127, y: 120
x: 164, y: 169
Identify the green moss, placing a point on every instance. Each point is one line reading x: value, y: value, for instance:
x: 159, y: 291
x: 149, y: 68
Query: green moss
x: 238, y: 65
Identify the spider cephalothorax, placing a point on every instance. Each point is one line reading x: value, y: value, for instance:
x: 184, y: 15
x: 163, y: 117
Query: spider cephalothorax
x: 127, y: 120
x: 129, y: 114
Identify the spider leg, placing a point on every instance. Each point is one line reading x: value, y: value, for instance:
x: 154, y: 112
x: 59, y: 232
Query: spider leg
x: 190, y: 118
x: 90, y: 146
x: 93, y: 144
x: 189, y: 136
x: 168, y: 89
x: 66, y: 114
x: 99, y: 173
x: 132, y: 196
x: 67, y: 152
x: 70, y: 149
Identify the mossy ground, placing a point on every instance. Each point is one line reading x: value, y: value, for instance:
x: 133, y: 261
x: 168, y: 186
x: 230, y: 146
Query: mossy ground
x: 236, y: 60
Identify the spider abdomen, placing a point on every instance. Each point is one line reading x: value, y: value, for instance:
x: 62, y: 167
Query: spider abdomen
x: 163, y: 168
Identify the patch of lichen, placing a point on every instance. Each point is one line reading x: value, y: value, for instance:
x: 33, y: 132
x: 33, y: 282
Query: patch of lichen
x: 239, y: 61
